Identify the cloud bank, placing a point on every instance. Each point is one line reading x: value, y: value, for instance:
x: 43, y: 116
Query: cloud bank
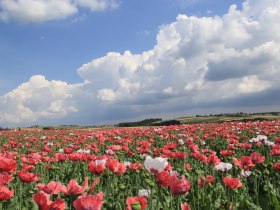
x: 198, y: 63
x: 30, y: 11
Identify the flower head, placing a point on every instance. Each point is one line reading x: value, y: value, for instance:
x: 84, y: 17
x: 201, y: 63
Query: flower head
x: 178, y: 187
x: 232, y: 183
x: 5, y: 193
x: 136, y: 203
x: 93, y: 202
x: 155, y: 165
x: 223, y: 166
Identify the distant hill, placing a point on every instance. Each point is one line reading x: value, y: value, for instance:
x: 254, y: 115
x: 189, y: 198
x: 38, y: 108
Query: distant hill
x: 231, y: 117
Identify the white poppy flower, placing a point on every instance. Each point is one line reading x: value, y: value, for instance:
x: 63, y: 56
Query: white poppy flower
x: 155, y: 165
x: 223, y: 166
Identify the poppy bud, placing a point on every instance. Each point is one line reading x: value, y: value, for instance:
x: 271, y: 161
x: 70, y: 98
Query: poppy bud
x: 121, y: 186
x: 136, y: 206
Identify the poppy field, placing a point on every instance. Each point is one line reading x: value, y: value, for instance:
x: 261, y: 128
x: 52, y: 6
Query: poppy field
x: 230, y: 165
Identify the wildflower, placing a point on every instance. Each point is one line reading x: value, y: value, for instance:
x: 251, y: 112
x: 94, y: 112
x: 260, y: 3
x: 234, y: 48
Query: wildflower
x: 93, y: 202
x: 269, y: 143
x: 5, y: 193
x: 163, y: 178
x: 74, y: 188
x: 83, y: 151
x: 185, y: 206
x: 187, y: 166
x: 61, y: 157
x: 5, y: 179
x: 223, y: 166
x: 178, y: 187
x: 109, y: 152
x: 27, y: 167
x: 226, y: 152
x: 43, y: 201
x: 245, y: 173
x: 213, y: 160
x: 97, y: 167
x: 135, y: 166
x: 136, y: 203
x: 277, y: 139
x: 180, y: 155
x: 115, y: 166
x: 7, y: 165
x: 232, y: 183
x: 204, y: 181
x: 58, y: 204
x: 127, y: 164
x: 276, y: 166
x: 28, y: 177
x: 180, y: 142
x: 245, y: 162
x: 51, y: 188
x: 155, y: 165
x: 275, y: 152
x: 67, y: 150
x: 75, y: 156
x: 94, y: 183
x: 245, y: 145
x: 257, y: 158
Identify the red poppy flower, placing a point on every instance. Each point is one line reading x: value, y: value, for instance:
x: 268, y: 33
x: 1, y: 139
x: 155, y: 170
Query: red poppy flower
x: 200, y: 157
x: 178, y: 187
x: 43, y: 201
x: 180, y: 155
x: 93, y: 202
x: 163, y: 178
x: 257, y: 158
x: 5, y: 179
x: 245, y: 162
x: 97, y: 167
x: 61, y: 157
x: 75, y: 156
x: 232, y: 183
x: 67, y: 150
x: 7, y: 165
x: 204, y: 181
x: 27, y: 167
x: 275, y: 152
x: 170, y: 146
x: 94, y: 183
x: 28, y: 177
x: 5, y: 193
x: 187, y: 166
x: 135, y: 166
x: 226, y: 152
x: 74, y: 188
x: 115, y: 166
x: 51, y: 188
x: 245, y: 145
x: 194, y: 148
x: 185, y: 206
x: 213, y: 160
x: 277, y: 166
x: 277, y: 139
x: 140, y: 201
x: 58, y: 204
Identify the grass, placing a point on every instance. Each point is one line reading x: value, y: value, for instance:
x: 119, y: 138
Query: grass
x: 204, y: 119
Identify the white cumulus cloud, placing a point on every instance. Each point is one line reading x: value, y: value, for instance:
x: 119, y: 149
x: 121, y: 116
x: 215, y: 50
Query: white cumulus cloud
x: 38, y: 98
x: 46, y: 10
x: 198, y: 63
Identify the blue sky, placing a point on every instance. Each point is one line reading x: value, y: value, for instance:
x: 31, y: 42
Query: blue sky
x: 131, y: 59
x: 57, y: 48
